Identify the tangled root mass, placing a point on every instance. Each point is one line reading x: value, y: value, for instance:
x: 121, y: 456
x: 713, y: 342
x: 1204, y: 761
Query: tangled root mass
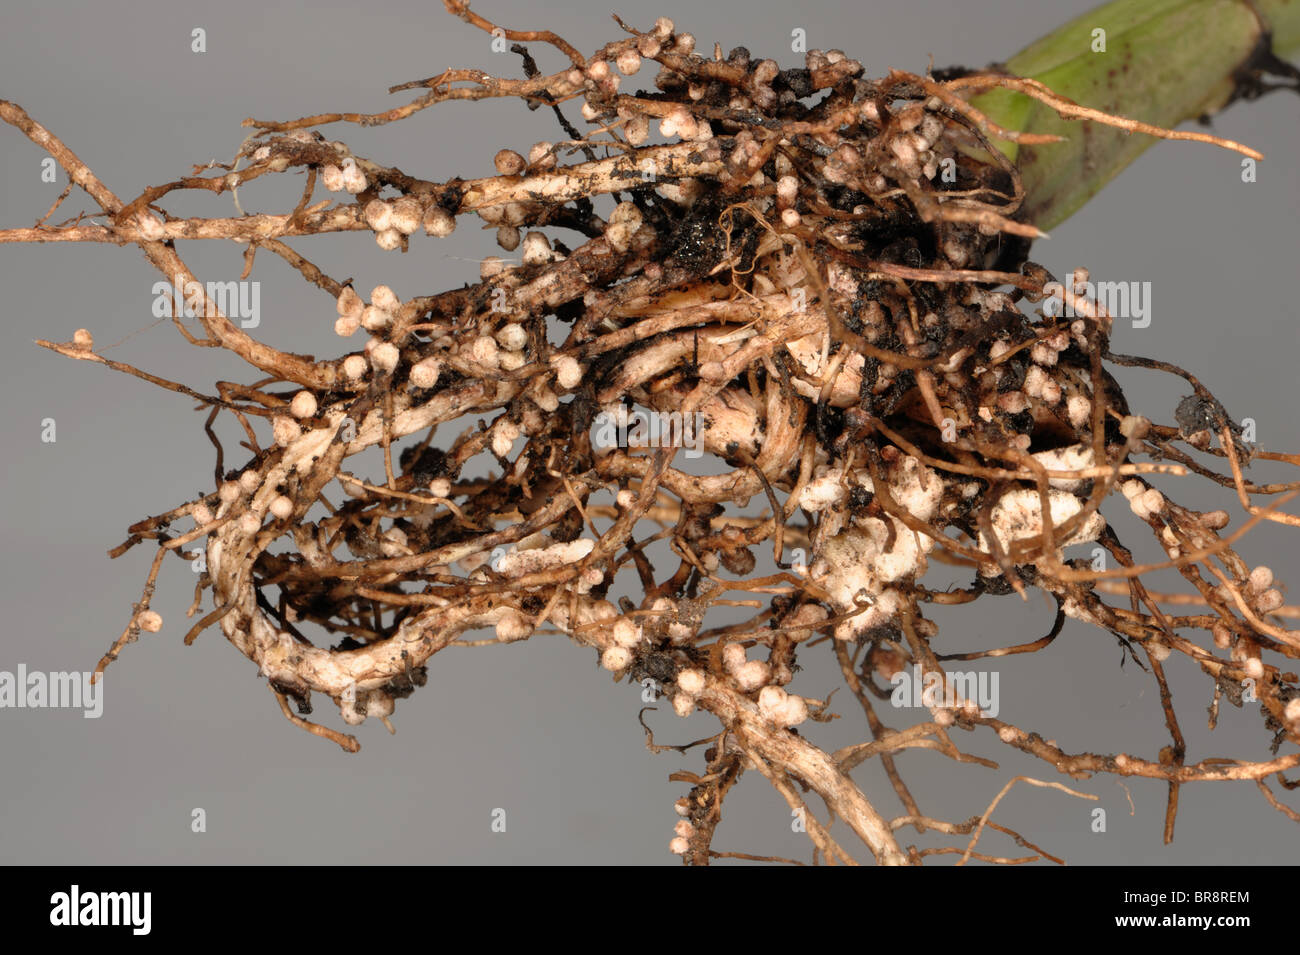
x: 813, y: 278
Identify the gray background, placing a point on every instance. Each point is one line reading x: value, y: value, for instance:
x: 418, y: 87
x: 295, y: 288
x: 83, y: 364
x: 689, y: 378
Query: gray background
x: 534, y: 728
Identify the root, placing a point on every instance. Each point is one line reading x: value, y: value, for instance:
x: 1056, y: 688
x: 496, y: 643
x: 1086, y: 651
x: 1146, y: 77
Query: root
x: 792, y: 286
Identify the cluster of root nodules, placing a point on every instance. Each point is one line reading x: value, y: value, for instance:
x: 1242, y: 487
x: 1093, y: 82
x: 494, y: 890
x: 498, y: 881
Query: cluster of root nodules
x: 794, y: 370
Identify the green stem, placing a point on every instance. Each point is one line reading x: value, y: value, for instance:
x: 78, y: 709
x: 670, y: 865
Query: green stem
x: 1159, y: 61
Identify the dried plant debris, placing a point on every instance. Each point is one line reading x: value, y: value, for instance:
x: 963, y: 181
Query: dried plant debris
x: 811, y: 281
